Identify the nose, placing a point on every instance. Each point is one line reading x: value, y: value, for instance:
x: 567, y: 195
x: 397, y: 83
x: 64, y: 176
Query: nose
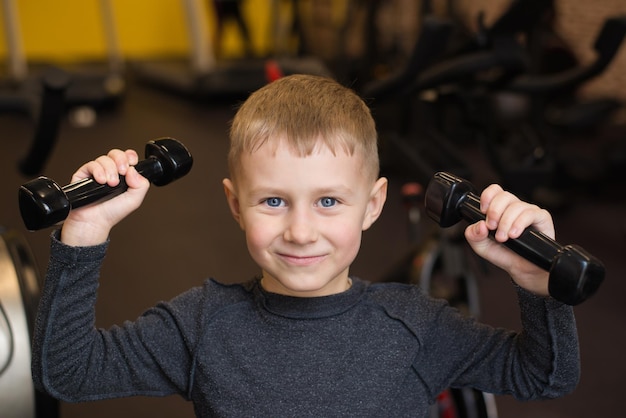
x: 301, y: 226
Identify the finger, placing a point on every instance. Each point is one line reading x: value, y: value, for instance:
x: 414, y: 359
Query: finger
x: 109, y: 164
x: 477, y: 236
x: 517, y: 215
x: 497, y: 206
x: 535, y: 217
x: 122, y: 159
x: 134, y: 180
x: 107, y: 168
x: 102, y: 170
x: 477, y: 232
x: 91, y: 169
x: 133, y: 157
x: 488, y: 195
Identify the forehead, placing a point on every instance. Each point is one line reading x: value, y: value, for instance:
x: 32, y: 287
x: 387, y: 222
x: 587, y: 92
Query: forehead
x: 281, y: 149
x: 301, y: 145
x: 281, y: 163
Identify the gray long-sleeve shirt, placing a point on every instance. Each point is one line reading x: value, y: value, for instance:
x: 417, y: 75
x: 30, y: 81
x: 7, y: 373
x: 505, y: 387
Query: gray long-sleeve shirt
x: 236, y: 350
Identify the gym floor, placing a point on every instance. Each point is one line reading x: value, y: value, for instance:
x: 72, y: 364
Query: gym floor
x: 184, y: 233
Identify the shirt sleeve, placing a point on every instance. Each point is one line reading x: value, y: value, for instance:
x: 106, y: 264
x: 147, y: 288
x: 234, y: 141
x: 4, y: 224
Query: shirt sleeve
x: 539, y: 362
x: 74, y: 361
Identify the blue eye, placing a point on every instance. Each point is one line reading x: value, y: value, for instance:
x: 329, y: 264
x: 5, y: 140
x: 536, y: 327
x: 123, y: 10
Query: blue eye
x: 274, y: 202
x: 328, y: 202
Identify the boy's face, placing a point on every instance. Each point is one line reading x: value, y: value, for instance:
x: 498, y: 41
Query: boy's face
x: 303, y: 216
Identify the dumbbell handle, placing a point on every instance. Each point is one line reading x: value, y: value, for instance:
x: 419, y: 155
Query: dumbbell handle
x: 533, y: 245
x: 86, y: 191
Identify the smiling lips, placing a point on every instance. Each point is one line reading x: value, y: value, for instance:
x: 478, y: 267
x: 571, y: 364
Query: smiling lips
x: 295, y: 260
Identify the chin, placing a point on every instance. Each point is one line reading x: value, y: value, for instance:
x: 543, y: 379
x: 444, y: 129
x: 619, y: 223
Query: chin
x: 310, y: 288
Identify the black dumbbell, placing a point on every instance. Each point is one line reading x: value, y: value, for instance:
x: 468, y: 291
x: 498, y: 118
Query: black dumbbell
x: 575, y: 274
x: 44, y: 203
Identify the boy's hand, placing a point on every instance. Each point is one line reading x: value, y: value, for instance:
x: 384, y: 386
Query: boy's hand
x: 91, y: 224
x: 508, y: 217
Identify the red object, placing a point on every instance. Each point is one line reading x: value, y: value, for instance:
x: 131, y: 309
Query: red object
x: 412, y: 189
x: 272, y: 71
x: 446, y: 405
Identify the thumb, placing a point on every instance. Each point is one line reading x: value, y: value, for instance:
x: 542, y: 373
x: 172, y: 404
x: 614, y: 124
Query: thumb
x: 134, y: 180
x: 477, y: 235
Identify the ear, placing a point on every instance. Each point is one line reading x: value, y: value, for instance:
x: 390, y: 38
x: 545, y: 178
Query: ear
x: 377, y: 199
x: 233, y: 200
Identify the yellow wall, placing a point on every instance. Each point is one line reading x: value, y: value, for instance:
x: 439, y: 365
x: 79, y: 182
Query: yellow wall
x: 68, y: 30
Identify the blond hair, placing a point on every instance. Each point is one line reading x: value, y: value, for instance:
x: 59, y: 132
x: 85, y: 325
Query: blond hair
x: 306, y: 111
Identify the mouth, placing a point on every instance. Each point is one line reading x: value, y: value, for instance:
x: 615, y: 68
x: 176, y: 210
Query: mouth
x: 299, y: 260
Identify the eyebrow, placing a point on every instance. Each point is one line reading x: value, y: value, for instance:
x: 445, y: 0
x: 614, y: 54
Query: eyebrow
x: 342, y: 190
x: 322, y: 191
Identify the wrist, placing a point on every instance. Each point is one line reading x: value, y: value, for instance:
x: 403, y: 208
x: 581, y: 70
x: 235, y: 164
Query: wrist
x: 537, y: 285
x: 83, y: 235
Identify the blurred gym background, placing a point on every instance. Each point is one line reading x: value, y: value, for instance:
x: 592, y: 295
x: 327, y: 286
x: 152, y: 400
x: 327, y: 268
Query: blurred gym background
x: 82, y: 77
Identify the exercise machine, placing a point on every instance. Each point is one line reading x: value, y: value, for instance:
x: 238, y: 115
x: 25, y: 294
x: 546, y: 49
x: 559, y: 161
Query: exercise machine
x: 90, y: 86
x: 527, y: 147
x: 420, y: 91
x: 490, y: 92
x: 42, y: 100
x: 205, y: 78
x: 49, y: 93
x: 19, y: 295
x: 39, y: 98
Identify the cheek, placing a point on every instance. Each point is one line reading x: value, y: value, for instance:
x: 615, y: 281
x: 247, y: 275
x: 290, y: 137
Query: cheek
x: 258, y: 237
x: 346, y: 237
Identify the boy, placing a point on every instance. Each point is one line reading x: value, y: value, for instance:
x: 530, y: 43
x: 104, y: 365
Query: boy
x: 305, y: 338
